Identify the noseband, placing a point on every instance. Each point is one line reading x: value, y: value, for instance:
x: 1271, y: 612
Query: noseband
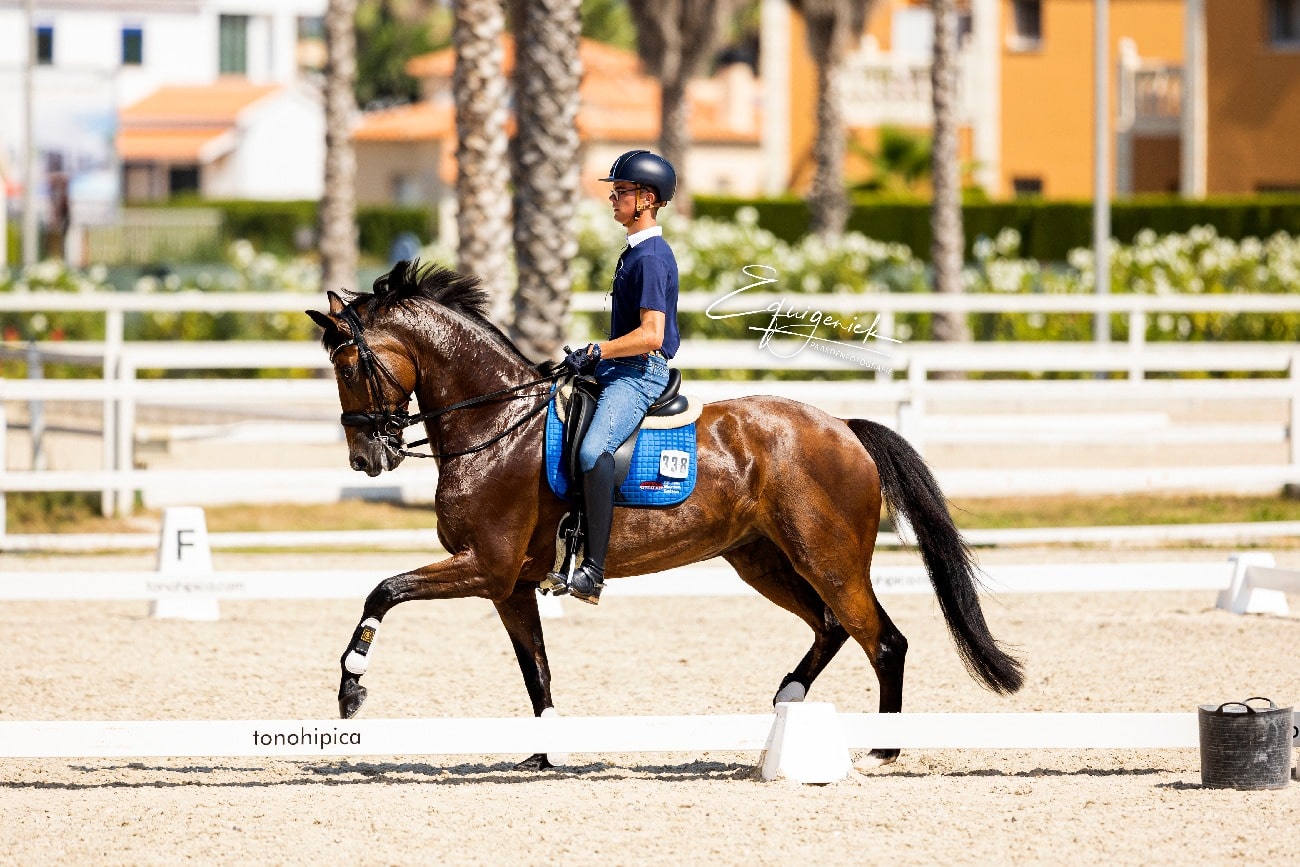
x: 387, y: 423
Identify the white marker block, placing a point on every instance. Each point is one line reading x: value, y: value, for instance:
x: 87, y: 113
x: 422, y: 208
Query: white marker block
x: 557, y: 759
x: 549, y: 607
x: 184, y: 561
x: 806, y: 744
x: 1243, y: 598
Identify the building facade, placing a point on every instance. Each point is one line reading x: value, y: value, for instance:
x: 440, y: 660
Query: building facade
x: 93, y: 58
x: 1203, y: 96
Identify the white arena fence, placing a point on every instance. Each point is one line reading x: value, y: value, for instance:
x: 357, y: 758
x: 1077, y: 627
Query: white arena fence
x: 904, y: 404
x: 801, y: 742
x: 1245, y: 583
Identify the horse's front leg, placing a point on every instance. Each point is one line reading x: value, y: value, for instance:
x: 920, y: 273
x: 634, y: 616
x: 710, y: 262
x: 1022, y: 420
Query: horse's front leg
x: 519, y: 615
x: 459, y: 576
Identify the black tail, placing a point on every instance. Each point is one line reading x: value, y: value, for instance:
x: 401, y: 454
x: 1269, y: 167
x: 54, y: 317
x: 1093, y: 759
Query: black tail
x: 910, y: 488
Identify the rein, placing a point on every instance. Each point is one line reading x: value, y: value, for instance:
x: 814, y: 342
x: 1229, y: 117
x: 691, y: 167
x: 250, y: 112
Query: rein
x: 389, y: 422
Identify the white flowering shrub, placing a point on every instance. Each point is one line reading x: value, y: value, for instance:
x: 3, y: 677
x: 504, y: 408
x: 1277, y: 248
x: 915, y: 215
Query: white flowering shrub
x: 248, y: 271
x: 711, y: 255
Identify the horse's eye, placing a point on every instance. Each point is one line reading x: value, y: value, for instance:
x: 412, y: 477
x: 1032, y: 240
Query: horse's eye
x: 348, y: 371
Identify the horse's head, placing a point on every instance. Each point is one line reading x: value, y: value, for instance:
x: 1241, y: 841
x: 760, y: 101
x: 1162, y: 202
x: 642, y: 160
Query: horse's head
x: 375, y: 376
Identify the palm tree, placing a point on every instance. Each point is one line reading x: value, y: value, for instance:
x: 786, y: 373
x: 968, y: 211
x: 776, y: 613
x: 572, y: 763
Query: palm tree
x: 948, y: 246
x: 482, y: 171
x: 337, y: 216
x: 675, y: 39
x: 833, y: 27
x: 544, y: 168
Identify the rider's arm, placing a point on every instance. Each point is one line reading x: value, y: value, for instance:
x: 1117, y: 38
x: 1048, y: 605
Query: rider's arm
x: 646, y: 337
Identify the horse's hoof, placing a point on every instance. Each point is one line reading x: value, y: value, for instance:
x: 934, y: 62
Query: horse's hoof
x: 877, y: 759
x: 351, y: 696
x: 535, y: 762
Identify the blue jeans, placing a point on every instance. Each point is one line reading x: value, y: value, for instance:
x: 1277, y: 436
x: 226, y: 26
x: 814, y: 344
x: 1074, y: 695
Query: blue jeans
x: 628, y: 387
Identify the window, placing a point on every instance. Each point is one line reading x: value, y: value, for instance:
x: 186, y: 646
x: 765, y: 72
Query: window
x: 311, y: 27
x: 182, y: 179
x: 44, y: 45
x: 233, y: 47
x: 132, y: 46
x: 406, y: 190
x: 1025, y: 187
x: 1284, y: 18
x: 1026, y: 24
x: 310, y: 49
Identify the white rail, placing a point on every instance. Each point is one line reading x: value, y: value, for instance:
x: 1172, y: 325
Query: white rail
x: 905, y: 400
x: 621, y: 734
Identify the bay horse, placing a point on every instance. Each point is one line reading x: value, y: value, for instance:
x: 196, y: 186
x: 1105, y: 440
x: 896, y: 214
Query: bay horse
x: 788, y: 495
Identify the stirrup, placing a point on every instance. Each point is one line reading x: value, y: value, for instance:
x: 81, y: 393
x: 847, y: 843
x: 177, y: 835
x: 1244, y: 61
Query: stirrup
x: 554, y: 584
x: 568, y: 552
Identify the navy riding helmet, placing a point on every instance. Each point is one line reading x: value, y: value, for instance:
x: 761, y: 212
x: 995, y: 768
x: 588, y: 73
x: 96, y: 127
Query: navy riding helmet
x: 645, y: 169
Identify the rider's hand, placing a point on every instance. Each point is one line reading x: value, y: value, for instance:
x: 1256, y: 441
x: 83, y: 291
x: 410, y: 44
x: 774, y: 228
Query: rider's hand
x: 583, y: 361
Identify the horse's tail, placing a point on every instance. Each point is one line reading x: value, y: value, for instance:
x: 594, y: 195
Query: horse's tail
x: 909, y: 488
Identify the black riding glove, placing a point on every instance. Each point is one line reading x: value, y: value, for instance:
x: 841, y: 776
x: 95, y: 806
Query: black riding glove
x: 583, y: 361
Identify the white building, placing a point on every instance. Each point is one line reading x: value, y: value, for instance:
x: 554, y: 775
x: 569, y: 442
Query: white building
x: 96, y: 57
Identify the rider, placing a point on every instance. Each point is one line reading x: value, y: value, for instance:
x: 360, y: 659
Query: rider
x: 632, y: 366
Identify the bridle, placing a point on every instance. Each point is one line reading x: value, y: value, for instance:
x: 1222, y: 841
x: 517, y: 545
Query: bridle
x: 388, y: 422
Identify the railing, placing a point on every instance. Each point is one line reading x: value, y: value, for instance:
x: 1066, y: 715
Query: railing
x: 141, y: 236
x: 906, y: 403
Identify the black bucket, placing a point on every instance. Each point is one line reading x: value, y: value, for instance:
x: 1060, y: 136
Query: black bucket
x: 1245, y: 747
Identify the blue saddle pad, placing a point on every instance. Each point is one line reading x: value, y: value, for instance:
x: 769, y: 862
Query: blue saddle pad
x: 663, y: 465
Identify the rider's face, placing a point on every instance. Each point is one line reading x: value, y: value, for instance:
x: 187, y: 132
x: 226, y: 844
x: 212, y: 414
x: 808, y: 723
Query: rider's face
x: 623, y: 198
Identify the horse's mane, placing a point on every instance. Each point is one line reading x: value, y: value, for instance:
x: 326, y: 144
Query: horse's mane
x: 415, y: 281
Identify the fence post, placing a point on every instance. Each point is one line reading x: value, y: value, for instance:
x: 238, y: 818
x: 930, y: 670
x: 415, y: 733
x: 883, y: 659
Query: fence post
x: 1293, y: 428
x: 885, y: 328
x: 1137, y: 341
x: 4, y: 438
x: 114, y: 328
x: 911, y: 411
x: 125, y: 458
x: 36, y: 409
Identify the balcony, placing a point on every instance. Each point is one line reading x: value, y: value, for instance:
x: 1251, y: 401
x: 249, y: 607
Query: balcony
x: 1150, y: 94
x: 880, y: 88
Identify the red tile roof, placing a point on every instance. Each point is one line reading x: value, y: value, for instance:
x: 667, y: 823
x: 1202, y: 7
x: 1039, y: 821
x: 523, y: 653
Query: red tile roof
x: 618, y: 103
x: 180, y: 123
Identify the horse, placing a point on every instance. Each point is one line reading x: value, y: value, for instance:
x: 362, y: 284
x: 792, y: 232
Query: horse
x: 788, y: 495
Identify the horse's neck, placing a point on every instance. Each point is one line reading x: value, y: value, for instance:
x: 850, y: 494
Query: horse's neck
x: 456, y: 361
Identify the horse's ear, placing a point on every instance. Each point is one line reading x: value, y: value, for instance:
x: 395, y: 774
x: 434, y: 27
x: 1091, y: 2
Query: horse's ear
x: 322, y: 320
x: 336, y: 303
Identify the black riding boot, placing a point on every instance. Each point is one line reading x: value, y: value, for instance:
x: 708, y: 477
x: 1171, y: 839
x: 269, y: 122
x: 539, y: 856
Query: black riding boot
x: 598, y: 496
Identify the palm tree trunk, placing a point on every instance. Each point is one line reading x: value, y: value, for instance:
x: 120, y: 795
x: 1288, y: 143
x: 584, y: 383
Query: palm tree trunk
x: 828, y: 203
x: 833, y: 27
x: 482, y: 171
x: 545, y: 170
x: 675, y: 135
x: 948, y: 246
x: 337, y: 213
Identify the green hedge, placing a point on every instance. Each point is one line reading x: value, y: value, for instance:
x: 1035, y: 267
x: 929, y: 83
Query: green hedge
x: 1048, y: 229
x: 271, y: 225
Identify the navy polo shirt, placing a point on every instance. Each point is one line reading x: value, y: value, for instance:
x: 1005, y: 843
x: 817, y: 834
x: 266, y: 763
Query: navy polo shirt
x: 646, y: 277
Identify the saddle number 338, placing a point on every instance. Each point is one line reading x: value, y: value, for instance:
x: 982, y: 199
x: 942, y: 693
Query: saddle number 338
x: 674, y: 464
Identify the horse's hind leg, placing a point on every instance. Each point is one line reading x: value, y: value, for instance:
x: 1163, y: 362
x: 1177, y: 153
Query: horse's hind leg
x: 762, y: 566
x: 519, y: 615
x: 849, y: 595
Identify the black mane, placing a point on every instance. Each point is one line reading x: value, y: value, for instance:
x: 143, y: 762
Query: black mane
x: 415, y: 281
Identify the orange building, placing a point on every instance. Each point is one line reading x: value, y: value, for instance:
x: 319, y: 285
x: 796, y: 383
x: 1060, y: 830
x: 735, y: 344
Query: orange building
x: 1222, y: 123
x: 407, y: 154
x: 1250, y: 74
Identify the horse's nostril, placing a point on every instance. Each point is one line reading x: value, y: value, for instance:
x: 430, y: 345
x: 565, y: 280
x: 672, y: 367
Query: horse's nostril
x: 358, y: 463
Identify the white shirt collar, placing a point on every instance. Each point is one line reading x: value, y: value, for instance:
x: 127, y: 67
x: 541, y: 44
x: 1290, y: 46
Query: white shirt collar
x: 638, y: 237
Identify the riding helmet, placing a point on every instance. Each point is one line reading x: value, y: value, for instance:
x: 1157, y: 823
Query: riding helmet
x: 648, y: 170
